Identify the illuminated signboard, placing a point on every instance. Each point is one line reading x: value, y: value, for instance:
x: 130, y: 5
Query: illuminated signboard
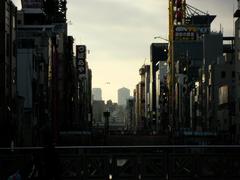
x: 32, y: 3
x: 81, y: 59
x: 189, y: 32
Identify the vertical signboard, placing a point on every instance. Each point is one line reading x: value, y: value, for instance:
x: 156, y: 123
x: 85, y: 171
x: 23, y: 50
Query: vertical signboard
x: 81, y: 59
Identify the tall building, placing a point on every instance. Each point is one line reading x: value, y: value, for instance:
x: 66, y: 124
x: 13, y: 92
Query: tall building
x: 42, y: 70
x: 147, y: 115
x: 213, y: 97
x: 97, y: 94
x: 98, y: 107
x: 84, y: 120
x: 161, y: 97
x: 158, y: 54
x: 123, y: 96
x: 35, y: 50
x: 138, y: 109
x: 130, y: 113
x: 142, y: 101
x: 237, y: 66
x: 8, y: 14
x: 185, y: 57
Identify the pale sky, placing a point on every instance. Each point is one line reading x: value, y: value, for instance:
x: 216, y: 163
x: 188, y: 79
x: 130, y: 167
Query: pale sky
x: 118, y: 34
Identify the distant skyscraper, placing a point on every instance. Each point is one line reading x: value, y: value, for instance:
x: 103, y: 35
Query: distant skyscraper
x: 123, y: 96
x: 97, y: 94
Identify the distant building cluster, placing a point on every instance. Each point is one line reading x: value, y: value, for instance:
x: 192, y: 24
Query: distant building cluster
x: 117, y: 119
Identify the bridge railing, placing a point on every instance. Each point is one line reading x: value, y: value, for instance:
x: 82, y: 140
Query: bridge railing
x: 122, y: 162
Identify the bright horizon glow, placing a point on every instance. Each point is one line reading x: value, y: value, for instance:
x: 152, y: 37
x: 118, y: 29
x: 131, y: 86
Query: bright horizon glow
x: 118, y: 34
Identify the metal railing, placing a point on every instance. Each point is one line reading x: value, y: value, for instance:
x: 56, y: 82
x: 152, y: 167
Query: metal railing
x: 122, y: 162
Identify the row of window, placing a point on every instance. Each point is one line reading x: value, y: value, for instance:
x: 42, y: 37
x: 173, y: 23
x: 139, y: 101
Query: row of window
x: 223, y: 74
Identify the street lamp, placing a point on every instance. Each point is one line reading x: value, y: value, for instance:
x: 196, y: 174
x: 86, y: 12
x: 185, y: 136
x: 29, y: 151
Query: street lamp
x: 160, y: 37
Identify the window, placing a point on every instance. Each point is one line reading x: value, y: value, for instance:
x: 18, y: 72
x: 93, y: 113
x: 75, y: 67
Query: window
x: 26, y: 43
x: 225, y: 121
x: 223, y: 74
x: 8, y: 46
x: 233, y: 74
x: 223, y: 94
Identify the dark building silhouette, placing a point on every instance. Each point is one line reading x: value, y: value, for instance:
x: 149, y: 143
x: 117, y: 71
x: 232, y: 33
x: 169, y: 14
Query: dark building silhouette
x: 8, y: 116
x: 158, y: 53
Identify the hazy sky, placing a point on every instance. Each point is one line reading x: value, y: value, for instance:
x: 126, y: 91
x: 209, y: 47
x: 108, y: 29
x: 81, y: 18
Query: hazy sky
x: 118, y: 34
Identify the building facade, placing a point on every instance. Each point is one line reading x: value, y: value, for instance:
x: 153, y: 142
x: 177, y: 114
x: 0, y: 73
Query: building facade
x: 97, y: 94
x: 123, y: 96
x: 237, y: 66
x: 8, y: 122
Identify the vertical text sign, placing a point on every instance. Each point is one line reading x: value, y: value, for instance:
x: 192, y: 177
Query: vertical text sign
x: 81, y: 59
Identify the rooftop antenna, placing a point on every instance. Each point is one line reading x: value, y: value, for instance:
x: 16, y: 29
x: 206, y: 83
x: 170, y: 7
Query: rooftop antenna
x: 70, y: 22
x: 221, y: 28
x: 145, y: 61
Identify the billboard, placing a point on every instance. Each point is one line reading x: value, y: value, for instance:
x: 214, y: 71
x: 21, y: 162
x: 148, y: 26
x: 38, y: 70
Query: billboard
x: 32, y: 4
x: 81, y: 59
x: 190, y: 32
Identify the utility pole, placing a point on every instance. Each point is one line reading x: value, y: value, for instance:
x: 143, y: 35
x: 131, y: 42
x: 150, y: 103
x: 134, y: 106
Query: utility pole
x: 177, y: 16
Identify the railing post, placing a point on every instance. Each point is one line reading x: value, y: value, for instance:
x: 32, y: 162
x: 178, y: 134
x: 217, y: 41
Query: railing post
x: 84, y: 165
x: 139, y: 166
x: 111, y: 166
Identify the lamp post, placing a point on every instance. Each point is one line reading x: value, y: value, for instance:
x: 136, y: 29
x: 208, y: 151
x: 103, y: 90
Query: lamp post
x: 160, y: 37
x: 106, y: 115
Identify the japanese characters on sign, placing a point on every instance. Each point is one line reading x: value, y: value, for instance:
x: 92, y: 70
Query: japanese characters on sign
x: 189, y: 32
x: 81, y: 59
